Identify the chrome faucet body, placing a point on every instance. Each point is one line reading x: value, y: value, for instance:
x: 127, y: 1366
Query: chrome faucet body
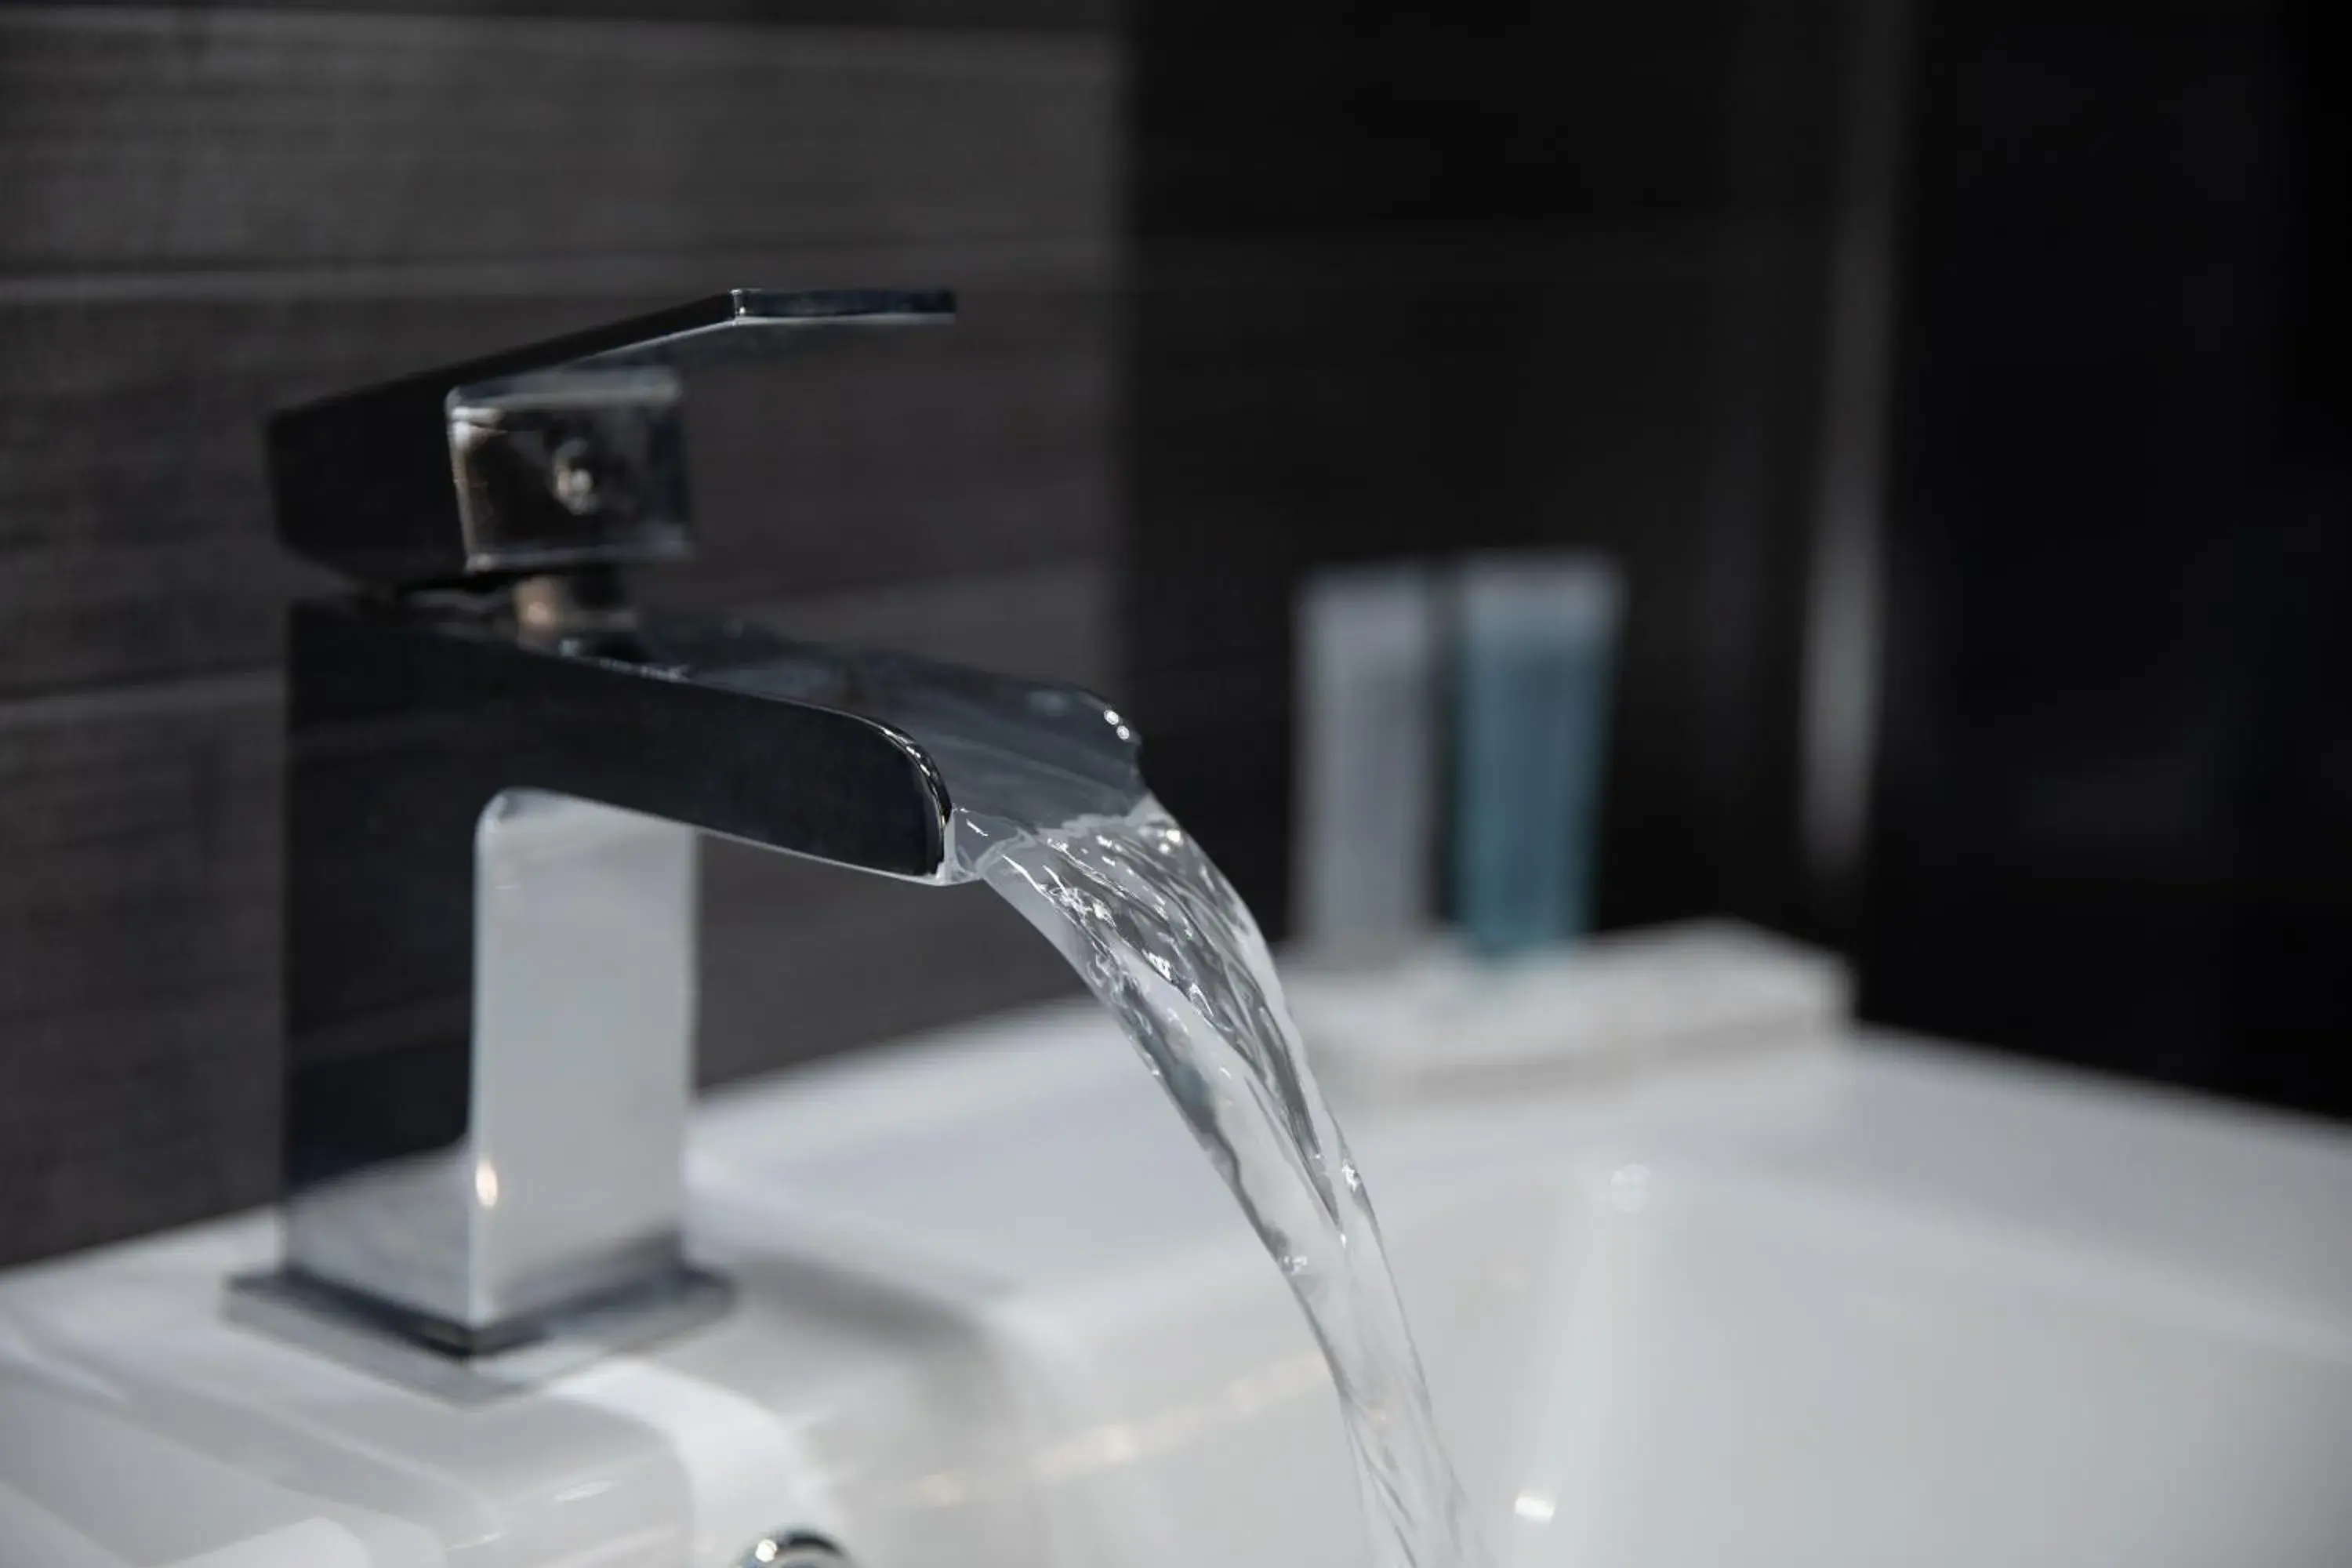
x: 495, y: 772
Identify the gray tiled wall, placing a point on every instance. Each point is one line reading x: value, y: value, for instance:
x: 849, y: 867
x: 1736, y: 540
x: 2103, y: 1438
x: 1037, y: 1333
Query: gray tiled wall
x: 210, y: 212
x: 1410, y: 280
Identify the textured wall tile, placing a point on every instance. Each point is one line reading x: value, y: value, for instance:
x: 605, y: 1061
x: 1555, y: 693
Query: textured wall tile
x: 225, y: 138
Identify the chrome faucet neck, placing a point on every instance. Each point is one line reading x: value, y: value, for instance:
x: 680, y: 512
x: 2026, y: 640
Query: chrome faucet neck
x: 496, y: 772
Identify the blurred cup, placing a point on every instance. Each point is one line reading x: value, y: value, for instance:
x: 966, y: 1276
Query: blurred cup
x: 1367, y: 759
x: 1534, y: 665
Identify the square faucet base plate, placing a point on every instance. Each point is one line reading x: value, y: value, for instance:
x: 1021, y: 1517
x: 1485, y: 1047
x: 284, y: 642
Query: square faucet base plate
x: 472, y: 1367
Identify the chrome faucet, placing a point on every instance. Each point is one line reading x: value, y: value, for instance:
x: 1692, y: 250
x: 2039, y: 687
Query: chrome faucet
x: 496, y: 769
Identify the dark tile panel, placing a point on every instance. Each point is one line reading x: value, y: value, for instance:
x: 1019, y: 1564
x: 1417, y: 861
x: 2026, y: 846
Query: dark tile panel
x: 802, y: 960
x: 1047, y: 622
x: 2116, y: 759
x: 1361, y: 113
x: 1484, y: 276
x: 138, y: 960
x: 1391, y: 375
x: 127, y: 812
x: 1313, y: 401
x: 135, y: 532
x: 1086, y: 15
x: 1639, y: 389
x: 209, y: 138
x: 139, y: 922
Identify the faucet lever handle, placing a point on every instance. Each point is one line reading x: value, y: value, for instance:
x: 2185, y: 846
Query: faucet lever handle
x: 562, y: 454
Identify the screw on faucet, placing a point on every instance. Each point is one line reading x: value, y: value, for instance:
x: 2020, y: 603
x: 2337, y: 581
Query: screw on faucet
x: 572, y: 477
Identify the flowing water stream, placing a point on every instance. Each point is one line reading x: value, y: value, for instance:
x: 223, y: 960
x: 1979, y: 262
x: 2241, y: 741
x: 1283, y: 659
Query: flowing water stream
x: 1160, y: 936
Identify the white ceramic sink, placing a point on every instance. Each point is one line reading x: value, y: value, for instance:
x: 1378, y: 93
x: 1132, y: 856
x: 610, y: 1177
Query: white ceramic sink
x: 1862, y: 1302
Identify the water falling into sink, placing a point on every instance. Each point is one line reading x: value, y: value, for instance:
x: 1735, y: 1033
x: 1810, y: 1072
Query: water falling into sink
x: 1050, y: 811
x: 1160, y: 936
